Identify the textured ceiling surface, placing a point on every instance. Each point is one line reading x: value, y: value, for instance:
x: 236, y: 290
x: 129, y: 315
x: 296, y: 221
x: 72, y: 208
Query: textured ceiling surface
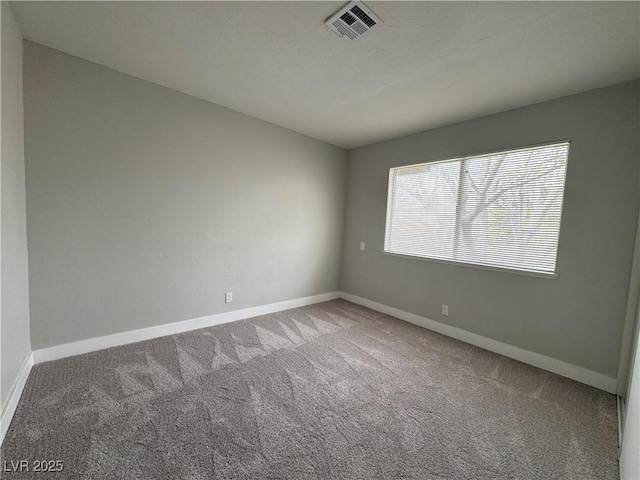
x: 429, y: 65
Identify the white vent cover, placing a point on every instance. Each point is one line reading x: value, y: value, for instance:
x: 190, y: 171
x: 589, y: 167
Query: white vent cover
x: 353, y: 20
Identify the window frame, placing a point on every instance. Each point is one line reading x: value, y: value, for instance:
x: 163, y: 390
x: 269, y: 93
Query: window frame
x: 480, y: 266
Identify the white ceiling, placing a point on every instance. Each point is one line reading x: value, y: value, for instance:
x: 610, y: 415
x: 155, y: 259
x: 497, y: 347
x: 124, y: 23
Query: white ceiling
x: 430, y: 64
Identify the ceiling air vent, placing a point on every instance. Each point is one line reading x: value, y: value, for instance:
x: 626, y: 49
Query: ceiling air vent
x: 353, y: 20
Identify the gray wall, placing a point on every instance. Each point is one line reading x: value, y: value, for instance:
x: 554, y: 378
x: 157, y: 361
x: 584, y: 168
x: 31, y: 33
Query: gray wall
x: 577, y: 317
x: 14, y: 327
x: 146, y: 205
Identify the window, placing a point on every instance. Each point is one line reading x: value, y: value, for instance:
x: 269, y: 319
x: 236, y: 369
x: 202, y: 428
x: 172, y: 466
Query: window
x: 500, y: 209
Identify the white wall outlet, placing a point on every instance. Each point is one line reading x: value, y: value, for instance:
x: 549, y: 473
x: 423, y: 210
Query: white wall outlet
x: 228, y: 297
x: 445, y: 310
x: 362, y: 245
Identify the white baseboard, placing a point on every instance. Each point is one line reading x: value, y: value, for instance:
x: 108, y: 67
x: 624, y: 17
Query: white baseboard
x: 14, y: 396
x: 124, y: 338
x: 574, y: 372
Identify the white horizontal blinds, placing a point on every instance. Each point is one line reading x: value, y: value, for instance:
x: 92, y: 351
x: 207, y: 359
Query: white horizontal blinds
x: 500, y: 209
x: 510, y: 210
x: 421, y: 215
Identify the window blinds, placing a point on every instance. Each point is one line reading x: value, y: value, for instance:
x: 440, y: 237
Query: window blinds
x: 500, y: 209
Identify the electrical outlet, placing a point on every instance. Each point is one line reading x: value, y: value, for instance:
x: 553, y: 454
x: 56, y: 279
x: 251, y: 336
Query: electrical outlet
x: 445, y: 310
x: 362, y: 245
x: 228, y: 297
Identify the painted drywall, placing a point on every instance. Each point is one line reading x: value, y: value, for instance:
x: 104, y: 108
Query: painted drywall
x: 577, y: 317
x: 146, y: 205
x: 630, y: 449
x: 14, y: 328
x: 430, y: 63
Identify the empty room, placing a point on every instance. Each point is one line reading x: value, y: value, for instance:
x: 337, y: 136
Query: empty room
x: 320, y: 240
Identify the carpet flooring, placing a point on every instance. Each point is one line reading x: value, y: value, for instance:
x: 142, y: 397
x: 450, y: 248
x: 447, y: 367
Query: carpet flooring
x: 328, y: 391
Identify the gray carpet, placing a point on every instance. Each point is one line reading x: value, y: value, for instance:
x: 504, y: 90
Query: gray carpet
x: 329, y: 391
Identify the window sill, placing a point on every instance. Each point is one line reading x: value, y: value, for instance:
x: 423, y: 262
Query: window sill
x: 514, y: 271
